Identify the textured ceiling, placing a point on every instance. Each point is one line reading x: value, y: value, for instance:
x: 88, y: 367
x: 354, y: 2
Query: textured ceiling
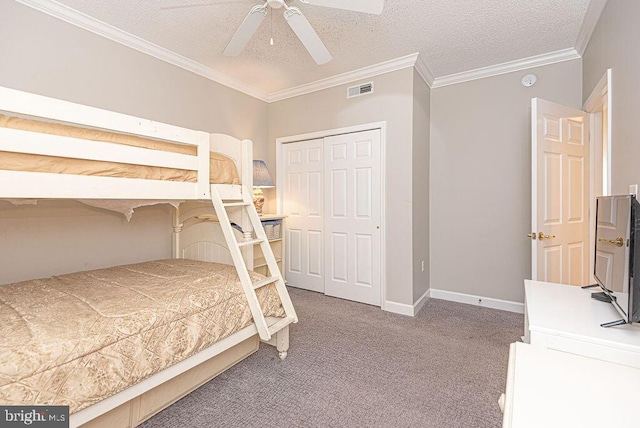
x: 452, y: 36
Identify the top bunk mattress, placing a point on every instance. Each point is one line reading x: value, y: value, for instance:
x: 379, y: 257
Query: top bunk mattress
x: 222, y: 169
x: 79, y: 338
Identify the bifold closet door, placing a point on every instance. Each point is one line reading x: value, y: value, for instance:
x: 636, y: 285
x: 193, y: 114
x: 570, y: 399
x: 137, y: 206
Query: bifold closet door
x: 303, y: 204
x: 352, y: 216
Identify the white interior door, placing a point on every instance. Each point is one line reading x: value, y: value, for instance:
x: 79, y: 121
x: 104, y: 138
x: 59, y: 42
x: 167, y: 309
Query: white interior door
x: 303, y: 204
x: 560, y: 193
x: 353, y: 216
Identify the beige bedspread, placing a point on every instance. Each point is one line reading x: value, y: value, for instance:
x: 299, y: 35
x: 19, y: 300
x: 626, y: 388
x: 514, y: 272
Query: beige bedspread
x: 222, y: 169
x: 76, y: 339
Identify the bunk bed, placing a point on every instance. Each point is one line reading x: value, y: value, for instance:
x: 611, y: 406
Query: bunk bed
x: 155, y: 311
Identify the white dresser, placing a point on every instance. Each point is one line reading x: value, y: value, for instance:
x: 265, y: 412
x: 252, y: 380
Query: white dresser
x: 551, y: 389
x: 572, y: 372
x: 566, y: 318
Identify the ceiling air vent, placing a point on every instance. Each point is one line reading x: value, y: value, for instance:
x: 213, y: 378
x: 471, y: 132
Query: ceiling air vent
x: 356, y: 91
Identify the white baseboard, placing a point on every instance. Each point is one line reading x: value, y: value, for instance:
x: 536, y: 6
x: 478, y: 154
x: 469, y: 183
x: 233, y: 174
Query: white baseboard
x: 421, y: 302
x: 469, y: 299
x: 398, y: 308
x: 404, y: 309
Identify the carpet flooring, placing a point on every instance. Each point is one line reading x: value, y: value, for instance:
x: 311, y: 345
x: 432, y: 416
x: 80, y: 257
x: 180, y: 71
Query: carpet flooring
x: 353, y: 365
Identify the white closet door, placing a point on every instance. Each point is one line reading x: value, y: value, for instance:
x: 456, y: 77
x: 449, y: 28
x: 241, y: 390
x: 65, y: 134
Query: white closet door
x: 353, y: 216
x: 302, y: 203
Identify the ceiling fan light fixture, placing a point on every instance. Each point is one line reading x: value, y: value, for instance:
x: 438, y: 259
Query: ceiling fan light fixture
x: 275, y: 4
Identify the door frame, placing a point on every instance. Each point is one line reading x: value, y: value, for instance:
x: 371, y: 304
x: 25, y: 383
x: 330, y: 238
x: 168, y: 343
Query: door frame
x: 599, y: 99
x: 382, y: 126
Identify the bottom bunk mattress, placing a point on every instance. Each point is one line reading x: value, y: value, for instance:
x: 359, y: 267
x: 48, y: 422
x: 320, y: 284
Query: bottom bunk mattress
x: 79, y: 338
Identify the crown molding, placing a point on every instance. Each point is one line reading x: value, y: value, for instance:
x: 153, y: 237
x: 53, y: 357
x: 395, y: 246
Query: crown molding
x: 344, y: 78
x: 103, y: 29
x: 589, y: 23
x: 507, y: 67
x: 424, y: 72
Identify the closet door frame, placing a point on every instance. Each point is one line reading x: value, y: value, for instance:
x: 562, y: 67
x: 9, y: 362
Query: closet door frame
x: 382, y: 126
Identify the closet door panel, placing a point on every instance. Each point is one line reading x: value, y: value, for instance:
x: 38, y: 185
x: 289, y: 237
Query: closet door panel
x: 353, y: 216
x: 303, y: 204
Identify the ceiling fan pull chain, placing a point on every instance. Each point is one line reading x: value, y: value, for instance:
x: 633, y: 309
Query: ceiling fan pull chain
x: 271, y: 29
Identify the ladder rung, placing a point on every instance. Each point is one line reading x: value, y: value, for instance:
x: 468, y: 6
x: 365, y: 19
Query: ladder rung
x: 236, y: 204
x: 281, y: 324
x: 250, y: 242
x: 264, y: 282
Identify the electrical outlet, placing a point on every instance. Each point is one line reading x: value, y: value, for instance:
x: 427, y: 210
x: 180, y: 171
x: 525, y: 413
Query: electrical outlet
x: 423, y: 266
x: 633, y: 189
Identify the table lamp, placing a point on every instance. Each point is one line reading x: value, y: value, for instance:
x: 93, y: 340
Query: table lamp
x: 261, y: 179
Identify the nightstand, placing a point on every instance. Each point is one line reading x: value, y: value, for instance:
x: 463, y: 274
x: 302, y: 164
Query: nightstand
x: 273, y: 225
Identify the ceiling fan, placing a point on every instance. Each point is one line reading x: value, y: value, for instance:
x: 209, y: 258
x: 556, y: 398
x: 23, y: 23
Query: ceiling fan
x: 298, y: 23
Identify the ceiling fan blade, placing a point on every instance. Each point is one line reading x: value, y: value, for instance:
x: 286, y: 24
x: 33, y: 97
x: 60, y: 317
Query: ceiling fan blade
x: 307, y: 35
x: 246, y: 30
x: 367, y: 6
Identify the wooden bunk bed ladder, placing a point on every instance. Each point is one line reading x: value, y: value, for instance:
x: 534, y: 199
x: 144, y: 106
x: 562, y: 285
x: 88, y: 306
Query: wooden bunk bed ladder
x: 275, y: 277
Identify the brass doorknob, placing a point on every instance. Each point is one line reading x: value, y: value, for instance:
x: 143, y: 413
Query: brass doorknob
x: 532, y: 235
x: 618, y: 241
x: 542, y: 236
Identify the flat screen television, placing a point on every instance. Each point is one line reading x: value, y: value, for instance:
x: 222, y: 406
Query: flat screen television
x: 617, y: 255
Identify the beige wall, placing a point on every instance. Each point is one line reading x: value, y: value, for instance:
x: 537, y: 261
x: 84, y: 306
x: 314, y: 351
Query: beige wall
x: 50, y: 57
x: 58, y: 237
x: 420, y: 168
x: 615, y: 44
x: 480, y: 200
x: 47, y: 56
x: 392, y: 102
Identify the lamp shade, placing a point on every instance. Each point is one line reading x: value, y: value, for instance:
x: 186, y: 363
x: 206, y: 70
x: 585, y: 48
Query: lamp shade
x: 261, y: 177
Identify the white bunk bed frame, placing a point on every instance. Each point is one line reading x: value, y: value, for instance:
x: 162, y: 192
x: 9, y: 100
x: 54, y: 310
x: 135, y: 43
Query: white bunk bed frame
x: 141, y: 401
